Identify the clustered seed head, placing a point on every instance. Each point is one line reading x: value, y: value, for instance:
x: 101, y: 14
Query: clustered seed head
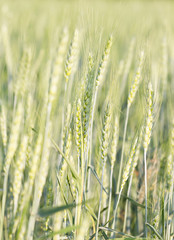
x: 73, y: 182
x: 72, y: 55
x: 103, y: 63
x: 87, y: 110
x: 88, y: 96
x: 136, y: 82
x: 57, y: 69
x: 29, y: 147
x: 33, y: 164
x: 105, y: 133
x: 68, y: 144
x: 149, y: 118
x: 137, y: 151
x: 19, y: 168
x: 155, y: 224
x: 24, y: 72
x: 25, y: 194
x: 14, y: 135
x: 114, y: 141
x: 29, y: 110
x: 128, y: 166
x: 66, y: 124
x: 90, y: 63
x: 63, y: 171
x: 78, y: 125
x: 44, y: 166
x: 49, y: 200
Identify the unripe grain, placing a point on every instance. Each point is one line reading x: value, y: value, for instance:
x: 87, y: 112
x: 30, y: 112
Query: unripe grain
x: 14, y: 135
x: 103, y: 63
x: 18, y: 172
x: 136, y: 81
x: 72, y: 55
x: 149, y: 117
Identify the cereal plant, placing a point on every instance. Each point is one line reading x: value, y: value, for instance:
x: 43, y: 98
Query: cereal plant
x: 86, y: 119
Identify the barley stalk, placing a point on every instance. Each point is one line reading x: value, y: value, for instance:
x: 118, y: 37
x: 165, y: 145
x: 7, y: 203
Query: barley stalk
x: 18, y: 172
x: 104, y: 150
x: 147, y: 137
x: 12, y: 145
x: 113, y: 158
x: 100, y: 75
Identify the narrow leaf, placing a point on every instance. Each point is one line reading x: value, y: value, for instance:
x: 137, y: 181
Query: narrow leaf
x: 154, y: 230
x: 96, y: 176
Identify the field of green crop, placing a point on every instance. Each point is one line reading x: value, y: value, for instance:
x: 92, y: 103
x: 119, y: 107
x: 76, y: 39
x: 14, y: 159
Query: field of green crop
x: 86, y: 119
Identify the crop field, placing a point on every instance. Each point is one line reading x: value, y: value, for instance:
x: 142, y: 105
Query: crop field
x: 86, y: 119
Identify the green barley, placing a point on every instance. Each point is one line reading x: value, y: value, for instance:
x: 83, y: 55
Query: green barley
x: 72, y: 56
x: 23, y: 75
x: 100, y: 75
x: 126, y: 174
x: 104, y: 62
x: 87, y: 100
x: 149, y: 118
x: 39, y: 182
x: 18, y: 171
x: 137, y: 151
x: 133, y: 166
x: 114, y: 144
x: 34, y: 163
x: 131, y: 97
x: 12, y: 146
x: 14, y: 135
x: 147, y: 137
x: 67, y: 123
x: 155, y: 224
x: 78, y: 125
x: 136, y: 81
x: 127, y: 169
x: 103, y: 154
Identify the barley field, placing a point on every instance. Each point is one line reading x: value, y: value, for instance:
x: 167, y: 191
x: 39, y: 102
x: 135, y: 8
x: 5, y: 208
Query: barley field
x: 86, y: 119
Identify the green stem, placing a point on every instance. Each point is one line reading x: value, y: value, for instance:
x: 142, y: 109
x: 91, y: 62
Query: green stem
x: 163, y: 215
x: 99, y: 209
x: 36, y: 201
x: 115, y: 212
x: 110, y: 196
x: 145, y: 181
x: 89, y: 149
x: 127, y: 204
